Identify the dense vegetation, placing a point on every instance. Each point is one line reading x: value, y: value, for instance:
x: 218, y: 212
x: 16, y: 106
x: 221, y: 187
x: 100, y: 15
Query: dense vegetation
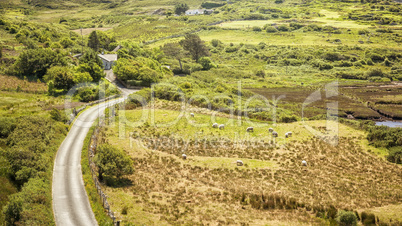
x: 32, y: 142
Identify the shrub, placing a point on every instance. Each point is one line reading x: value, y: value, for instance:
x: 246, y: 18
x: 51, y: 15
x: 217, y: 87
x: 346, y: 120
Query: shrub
x: 375, y: 73
x: 206, y: 63
x: 271, y: 29
x: 346, y: 218
x: 368, y: 219
x: 7, y: 125
x: 395, y: 155
x: 256, y: 28
x: 215, y: 42
x: 326, y: 66
x: 112, y: 161
x: 283, y: 27
x: 296, y: 26
x: 332, y: 56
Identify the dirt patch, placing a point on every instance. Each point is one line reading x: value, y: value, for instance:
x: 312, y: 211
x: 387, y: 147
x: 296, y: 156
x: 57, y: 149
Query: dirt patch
x: 87, y: 31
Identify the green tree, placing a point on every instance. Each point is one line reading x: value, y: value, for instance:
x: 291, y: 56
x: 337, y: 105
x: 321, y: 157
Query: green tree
x: 12, y: 211
x: 93, y: 41
x: 62, y: 77
x: 91, y: 56
x: 93, y: 69
x: 175, y: 51
x: 206, y: 63
x: 58, y: 115
x: 195, y: 46
x: 36, y: 62
x: 181, y: 8
x: 82, y: 77
x: 112, y: 161
x: 346, y: 218
x: 66, y: 42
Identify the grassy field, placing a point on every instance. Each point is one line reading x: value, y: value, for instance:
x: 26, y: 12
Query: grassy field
x: 166, y: 189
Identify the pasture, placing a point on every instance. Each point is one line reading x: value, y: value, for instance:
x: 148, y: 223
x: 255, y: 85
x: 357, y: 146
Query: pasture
x: 166, y: 189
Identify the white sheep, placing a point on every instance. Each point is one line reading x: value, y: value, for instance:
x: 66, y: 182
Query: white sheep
x: 250, y: 129
x: 290, y: 133
x: 239, y: 162
x: 304, y: 163
x: 222, y: 126
x: 287, y: 135
x: 274, y: 134
x: 192, y: 114
x: 184, y: 156
x: 271, y: 130
x: 215, y: 125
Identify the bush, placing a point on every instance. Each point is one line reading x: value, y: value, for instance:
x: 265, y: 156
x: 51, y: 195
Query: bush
x: 395, y: 155
x: 376, y: 73
x: 215, y: 42
x: 206, y: 63
x: 271, y: 29
x: 7, y: 126
x: 112, y: 161
x: 368, y: 219
x: 283, y: 27
x: 346, y: 218
x: 256, y: 28
x: 325, y: 66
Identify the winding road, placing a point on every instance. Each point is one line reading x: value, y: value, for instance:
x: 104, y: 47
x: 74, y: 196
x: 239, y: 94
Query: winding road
x: 70, y: 201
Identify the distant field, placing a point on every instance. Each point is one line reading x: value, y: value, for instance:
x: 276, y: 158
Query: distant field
x: 87, y: 31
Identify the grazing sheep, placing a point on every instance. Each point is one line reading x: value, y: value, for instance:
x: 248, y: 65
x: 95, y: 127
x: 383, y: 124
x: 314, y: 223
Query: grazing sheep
x: 250, y: 129
x: 221, y: 126
x: 215, y: 125
x: 271, y: 130
x: 304, y: 163
x: 184, y: 156
x: 290, y: 133
x: 192, y: 114
x: 239, y: 162
x: 287, y: 135
x: 274, y: 134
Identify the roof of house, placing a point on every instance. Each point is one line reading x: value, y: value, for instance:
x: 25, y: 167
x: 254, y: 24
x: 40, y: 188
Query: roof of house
x: 194, y: 11
x: 108, y: 57
x: 117, y: 48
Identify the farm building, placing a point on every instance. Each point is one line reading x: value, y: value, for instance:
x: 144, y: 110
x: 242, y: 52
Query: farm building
x: 108, y: 60
x: 193, y: 12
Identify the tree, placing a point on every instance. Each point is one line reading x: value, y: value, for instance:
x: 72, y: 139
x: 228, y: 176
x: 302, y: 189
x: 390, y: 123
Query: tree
x: 346, y: 218
x: 181, y: 8
x: 62, y: 77
x: 206, y: 63
x: 91, y: 56
x: 93, y: 41
x: 12, y: 211
x: 175, y: 51
x: 36, y: 62
x: 93, y: 69
x: 112, y: 161
x: 82, y: 77
x: 195, y: 46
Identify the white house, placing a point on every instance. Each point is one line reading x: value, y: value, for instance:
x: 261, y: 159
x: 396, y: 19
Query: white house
x: 108, y: 60
x: 193, y: 12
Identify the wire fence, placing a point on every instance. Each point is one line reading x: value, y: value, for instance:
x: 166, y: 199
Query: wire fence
x: 91, y: 154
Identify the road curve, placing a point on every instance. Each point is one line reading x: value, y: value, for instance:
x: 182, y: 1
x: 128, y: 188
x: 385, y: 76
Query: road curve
x: 70, y: 201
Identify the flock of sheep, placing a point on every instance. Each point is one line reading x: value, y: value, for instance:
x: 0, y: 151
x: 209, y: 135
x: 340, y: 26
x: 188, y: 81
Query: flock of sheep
x: 249, y: 129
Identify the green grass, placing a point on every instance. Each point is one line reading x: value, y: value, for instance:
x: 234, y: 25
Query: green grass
x: 96, y: 202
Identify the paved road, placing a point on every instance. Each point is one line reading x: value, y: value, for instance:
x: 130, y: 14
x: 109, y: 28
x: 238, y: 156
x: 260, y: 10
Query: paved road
x: 70, y: 201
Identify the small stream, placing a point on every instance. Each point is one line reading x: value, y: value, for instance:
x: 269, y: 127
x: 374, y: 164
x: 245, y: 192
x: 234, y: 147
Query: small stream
x: 389, y: 124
